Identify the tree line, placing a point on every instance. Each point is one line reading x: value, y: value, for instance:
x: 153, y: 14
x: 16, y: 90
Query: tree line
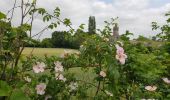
x: 63, y: 39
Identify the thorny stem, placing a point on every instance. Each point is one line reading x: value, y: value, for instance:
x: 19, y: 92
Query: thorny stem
x: 98, y: 87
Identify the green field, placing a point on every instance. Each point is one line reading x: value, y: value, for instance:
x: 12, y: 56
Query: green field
x: 40, y: 52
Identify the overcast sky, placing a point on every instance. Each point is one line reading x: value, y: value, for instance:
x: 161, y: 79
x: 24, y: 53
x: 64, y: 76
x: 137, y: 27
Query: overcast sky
x: 134, y: 15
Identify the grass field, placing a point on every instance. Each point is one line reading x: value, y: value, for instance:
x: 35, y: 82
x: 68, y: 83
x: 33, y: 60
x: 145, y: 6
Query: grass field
x: 40, y: 52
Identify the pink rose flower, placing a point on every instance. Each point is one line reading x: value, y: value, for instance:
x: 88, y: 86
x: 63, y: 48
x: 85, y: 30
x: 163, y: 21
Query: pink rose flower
x: 121, y: 58
x: 41, y: 88
x: 58, y: 66
x: 59, y: 76
x: 166, y: 80
x: 150, y: 88
x: 39, y: 67
x: 120, y: 55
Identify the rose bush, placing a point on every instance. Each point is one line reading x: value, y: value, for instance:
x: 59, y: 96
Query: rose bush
x: 120, y: 69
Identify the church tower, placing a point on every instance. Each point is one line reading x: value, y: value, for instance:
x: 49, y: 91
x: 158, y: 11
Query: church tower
x: 116, y: 32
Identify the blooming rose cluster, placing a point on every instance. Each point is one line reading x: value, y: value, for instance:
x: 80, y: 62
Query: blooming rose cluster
x: 59, y: 69
x: 120, y: 55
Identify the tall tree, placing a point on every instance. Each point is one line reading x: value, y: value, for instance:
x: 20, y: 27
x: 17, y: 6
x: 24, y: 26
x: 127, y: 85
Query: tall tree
x: 92, y: 25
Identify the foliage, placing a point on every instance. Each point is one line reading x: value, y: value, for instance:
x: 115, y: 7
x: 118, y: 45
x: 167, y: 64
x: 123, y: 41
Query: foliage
x: 92, y: 25
x: 121, y: 69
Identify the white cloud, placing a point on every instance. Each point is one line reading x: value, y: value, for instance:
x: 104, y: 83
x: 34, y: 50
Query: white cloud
x: 134, y: 15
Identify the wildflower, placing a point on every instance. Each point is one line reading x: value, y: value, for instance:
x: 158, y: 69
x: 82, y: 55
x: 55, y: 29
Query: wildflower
x: 59, y: 76
x: 28, y: 79
x: 166, y: 80
x: 106, y: 39
x: 119, y: 50
x: 120, y: 55
x: 58, y: 66
x: 102, y: 73
x: 121, y: 58
x: 108, y: 93
x: 39, y: 67
x: 73, y: 86
x: 151, y: 88
x: 41, y: 88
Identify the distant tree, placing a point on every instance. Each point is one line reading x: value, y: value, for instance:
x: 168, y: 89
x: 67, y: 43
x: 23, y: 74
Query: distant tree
x: 92, y: 25
x: 46, y: 43
x: 142, y: 38
x: 61, y: 39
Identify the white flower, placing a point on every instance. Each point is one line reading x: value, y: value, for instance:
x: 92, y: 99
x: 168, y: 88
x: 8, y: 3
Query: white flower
x: 59, y: 76
x: 48, y: 97
x: 166, y: 80
x: 41, y: 88
x: 108, y: 93
x: 28, y: 79
x: 150, y: 88
x: 73, y: 86
x: 39, y: 67
x: 81, y: 46
x: 106, y: 39
x: 102, y: 73
x: 58, y: 66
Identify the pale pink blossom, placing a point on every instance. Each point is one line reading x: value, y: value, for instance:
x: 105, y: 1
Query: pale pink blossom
x: 59, y: 76
x: 166, y: 80
x: 108, y: 93
x: 150, y: 88
x: 39, y: 67
x: 58, y: 66
x: 102, y: 73
x: 28, y: 79
x: 41, y: 88
x: 120, y: 55
x: 48, y: 97
x: 121, y: 58
x: 119, y: 50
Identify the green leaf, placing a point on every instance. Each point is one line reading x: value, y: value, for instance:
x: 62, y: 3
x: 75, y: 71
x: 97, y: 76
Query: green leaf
x: 4, y: 88
x: 18, y: 95
x: 2, y: 15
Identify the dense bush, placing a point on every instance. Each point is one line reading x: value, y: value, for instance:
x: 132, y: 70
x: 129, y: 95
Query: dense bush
x: 120, y: 69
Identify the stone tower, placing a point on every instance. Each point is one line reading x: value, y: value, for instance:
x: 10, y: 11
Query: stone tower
x: 116, y: 32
